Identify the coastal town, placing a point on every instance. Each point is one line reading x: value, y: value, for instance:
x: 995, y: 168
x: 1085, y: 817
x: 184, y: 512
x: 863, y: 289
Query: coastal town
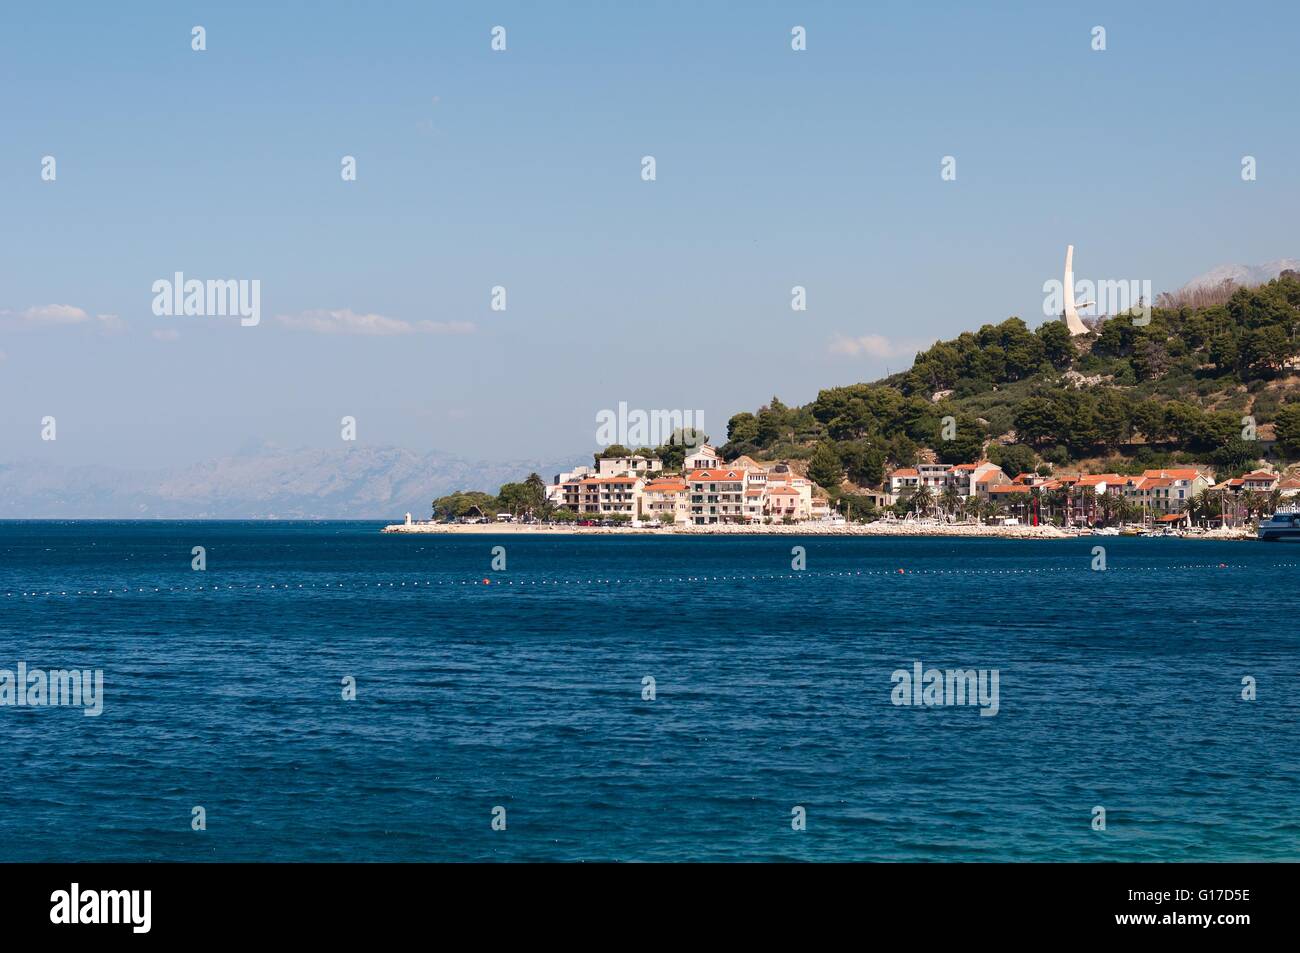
x: 635, y: 491
x: 1142, y: 427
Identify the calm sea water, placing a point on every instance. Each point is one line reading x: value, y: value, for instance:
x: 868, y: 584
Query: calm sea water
x: 223, y: 690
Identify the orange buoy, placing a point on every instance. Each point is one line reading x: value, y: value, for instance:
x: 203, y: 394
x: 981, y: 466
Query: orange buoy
x: 486, y: 582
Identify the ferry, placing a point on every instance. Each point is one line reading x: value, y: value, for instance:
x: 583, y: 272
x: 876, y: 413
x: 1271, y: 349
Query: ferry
x: 1281, y: 526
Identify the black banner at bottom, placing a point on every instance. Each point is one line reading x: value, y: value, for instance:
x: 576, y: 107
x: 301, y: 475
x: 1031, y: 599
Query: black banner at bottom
x: 142, y: 902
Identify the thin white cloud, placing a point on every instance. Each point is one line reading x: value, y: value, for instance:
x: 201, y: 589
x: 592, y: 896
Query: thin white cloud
x: 871, y: 345
x: 166, y: 334
x: 346, y: 321
x: 44, y: 315
x: 58, y: 315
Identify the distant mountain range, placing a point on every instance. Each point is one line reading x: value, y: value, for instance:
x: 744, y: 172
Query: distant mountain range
x: 261, y: 483
x: 1244, y: 274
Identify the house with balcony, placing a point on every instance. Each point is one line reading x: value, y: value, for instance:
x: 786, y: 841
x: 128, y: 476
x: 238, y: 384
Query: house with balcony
x: 663, y: 498
x: 716, y: 496
x: 966, y: 477
x: 904, y: 480
x: 933, y: 475
x: 783, y: 503
x: 1159, y: 496
x: 604, y: 496
x: 1260, y: 481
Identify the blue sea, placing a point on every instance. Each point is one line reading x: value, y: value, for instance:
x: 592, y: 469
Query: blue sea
x: 525, y: 697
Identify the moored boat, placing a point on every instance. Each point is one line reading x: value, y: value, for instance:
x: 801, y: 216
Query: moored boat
x: 1281, y: 526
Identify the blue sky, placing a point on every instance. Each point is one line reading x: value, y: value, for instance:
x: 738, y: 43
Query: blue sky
x: 522, y: 169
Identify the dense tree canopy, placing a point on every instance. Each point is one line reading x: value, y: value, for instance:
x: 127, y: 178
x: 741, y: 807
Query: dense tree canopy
x: 1175, y: 388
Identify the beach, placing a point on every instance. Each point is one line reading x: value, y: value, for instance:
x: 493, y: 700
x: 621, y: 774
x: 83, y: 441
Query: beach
x: 888, y: 528
x: 878, y: 528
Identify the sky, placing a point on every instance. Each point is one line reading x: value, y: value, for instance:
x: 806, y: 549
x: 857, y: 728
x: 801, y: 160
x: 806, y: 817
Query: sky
x: 522, y: 168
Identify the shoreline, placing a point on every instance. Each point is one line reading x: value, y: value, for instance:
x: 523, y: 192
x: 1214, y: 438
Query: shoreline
x: 881, y: 528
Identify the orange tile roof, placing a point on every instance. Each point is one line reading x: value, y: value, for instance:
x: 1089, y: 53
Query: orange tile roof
x: 1010, y: 488
x: 665, y: 486
x: 1093, y: 479
x: 905, y: 472
x: 1184, y: 474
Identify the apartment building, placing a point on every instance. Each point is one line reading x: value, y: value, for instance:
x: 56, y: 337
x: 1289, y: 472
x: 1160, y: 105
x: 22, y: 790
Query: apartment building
x: 604, y: 496
x: 666, y: 497
x: 716, y: 496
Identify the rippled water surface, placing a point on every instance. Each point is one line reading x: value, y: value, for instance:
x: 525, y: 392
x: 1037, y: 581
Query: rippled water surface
x: 773, y: 690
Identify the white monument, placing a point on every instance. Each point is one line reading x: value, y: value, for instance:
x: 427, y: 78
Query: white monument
x: 1071, y: 314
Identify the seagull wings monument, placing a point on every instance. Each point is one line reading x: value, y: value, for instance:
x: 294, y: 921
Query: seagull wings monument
x: 1071, y: 314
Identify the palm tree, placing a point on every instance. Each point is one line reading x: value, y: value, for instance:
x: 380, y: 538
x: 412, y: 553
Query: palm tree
x: 991, y: 509
x: 536, y: 490
x: 1128, y: 510
x: 950, y: 499
x: 922, y: 500
x: 1210, y: 509
x: 1050, y: 500
x: 967, y: 506
x: 1109, y: 505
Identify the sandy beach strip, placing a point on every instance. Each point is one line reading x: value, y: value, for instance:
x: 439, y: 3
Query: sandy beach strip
x: 878, y: 528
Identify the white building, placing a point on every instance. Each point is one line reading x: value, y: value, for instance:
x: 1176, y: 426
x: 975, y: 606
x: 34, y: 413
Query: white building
x: 555, y: 492
x: 635, y: 465
x: 702, y: 458
x: 603, y: 496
